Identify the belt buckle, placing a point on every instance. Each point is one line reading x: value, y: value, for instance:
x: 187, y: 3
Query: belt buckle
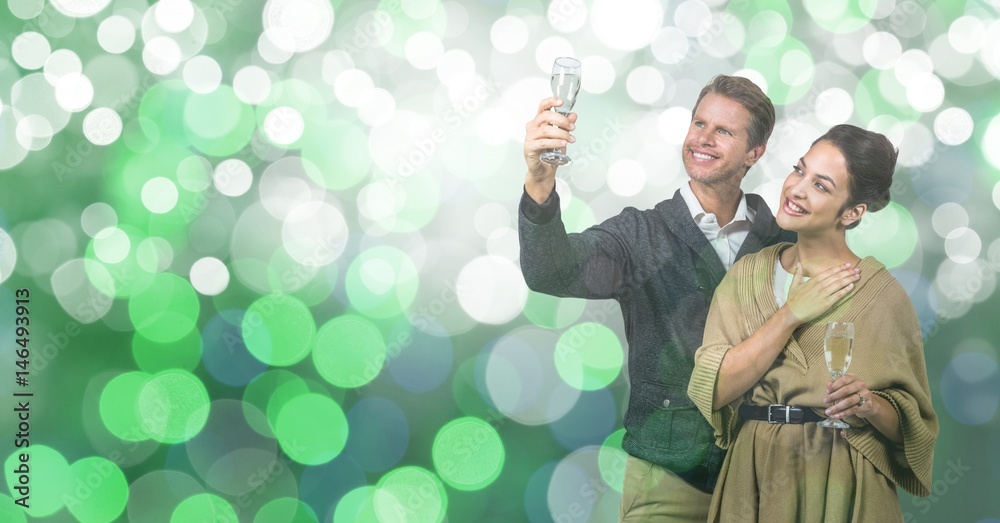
x: 772, y: 418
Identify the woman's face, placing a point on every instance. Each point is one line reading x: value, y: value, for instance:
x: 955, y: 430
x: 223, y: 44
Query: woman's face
x: 814, y: 194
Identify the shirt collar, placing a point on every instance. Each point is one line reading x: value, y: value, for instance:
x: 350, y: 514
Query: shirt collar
x: 743, y: 212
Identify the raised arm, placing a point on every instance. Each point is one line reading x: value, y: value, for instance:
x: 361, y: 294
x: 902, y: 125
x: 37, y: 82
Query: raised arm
x: 547, y: 130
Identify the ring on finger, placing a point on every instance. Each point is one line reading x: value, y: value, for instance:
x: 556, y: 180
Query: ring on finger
x: 861, y: 398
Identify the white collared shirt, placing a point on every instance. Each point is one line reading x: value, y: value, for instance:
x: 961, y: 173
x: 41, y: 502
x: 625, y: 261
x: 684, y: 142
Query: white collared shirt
x: 728, y: 239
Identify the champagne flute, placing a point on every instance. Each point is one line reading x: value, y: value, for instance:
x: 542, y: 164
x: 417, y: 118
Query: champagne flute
x: 837, y: 346
x: 566, y: 75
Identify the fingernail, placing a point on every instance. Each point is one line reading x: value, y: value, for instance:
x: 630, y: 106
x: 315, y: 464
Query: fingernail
x: 851, y: 286
x: 572, y: 126
x: 572, y: 138
x: 827, y: 411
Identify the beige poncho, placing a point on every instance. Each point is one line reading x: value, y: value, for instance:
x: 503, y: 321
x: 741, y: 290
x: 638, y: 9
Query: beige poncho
x: 806, y: 472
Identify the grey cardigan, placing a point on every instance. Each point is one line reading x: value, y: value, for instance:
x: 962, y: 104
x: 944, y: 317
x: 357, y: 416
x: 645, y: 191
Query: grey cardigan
x: 663, y: 272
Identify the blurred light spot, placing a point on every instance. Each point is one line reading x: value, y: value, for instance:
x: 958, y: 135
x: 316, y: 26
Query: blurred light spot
x: 567, y: 16
x: 209, y: 276
x: 283, y: 125
x: 724, y: 36
x: 286, y: 510
x: 522, y: 379
x: 552, y: 312
x: 173, y: 405
x: 314, y: 234
x: 491, y: 290
x: 59, y: 64
x: 917, y: 137
x: 161, y: 55
x: 495, y: 126
x: 349, y: 351
x: 34, y: 132
x: 217, y: 123
x: 912, y: 64
x: 908, y: 19
x: 228, y: 451
x: 105, y: 487
x: 30, y: 50
x: 468, y: 454
x: 194, y: 173
x: 967, y: 34
x: 410, y: 494
x: 670, y: 46
x: 572, y: 489
x: 588, y: 356
x: 202, y: 74
x: 166, y: 310
x: 455, y: 66
x: 159, y: 195
x: 420, y: 9
x: 111, y: 245
x: 797, y: 67
x: 202, y: 507
x: 311, y: 429
x: 353, y: 87
x: 491, y: 216
x: 673, y: 124
x: 275, y: 46
x: 991, y: 142
x: 357, y: 506
x: 232, y: 177
x: 84, y: 289
x: 43, y: 498
x: 278, y: 330
x: 116, y: 34
x: 303, y: 24
x: 996, y: 195
x: 102, y: 126
x: 839, y: 16
x: 890, y: 235
x: 925, y: 92
x: 154, y: 254
x: 626, y: 177
x: 881, y: 50
x: 378, y: 108
x: 382, y: 281
x: 953, y: 126
x: 80, y: 8
x: 252, y: 84
x: 424, y: 50
x: 379, y: 434
x: 963, y: 245
x: 600, y: 74
x: 25, y: 9
x: 119, y: 406
x: 288, y: 184
x: 173, y: 16
x: 970, y: 387
x: 645, y: 84
x: 611, y: 460
x: 767, y: 28
x: 626, y: 29
x: 834, y: 106
x: 692, y: 18
x: 8, y: 255
x: 418, y: 361
x: 947, y: 217
x: 156, y: 494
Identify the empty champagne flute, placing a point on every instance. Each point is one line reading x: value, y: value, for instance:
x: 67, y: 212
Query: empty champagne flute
x: 837, y: 345
x: 566, y: 77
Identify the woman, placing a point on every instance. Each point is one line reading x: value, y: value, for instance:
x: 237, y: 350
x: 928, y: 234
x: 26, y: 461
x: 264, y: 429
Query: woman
x: 763, y: 346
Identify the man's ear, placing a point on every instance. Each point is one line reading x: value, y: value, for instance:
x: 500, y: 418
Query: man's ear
x: 853, y: 214
x: 754, y: 154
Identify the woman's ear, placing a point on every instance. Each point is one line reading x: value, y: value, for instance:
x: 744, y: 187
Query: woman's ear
x: 853, y: 214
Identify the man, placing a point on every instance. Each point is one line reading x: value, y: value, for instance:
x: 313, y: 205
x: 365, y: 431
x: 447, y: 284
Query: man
x: 662, y: 266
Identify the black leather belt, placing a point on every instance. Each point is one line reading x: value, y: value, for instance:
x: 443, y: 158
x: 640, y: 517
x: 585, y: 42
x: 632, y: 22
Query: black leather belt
x: 778, y: 414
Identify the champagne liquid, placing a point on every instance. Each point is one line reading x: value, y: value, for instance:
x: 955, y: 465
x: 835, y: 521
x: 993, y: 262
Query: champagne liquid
x: 838, y: 354
x: 565, y: 86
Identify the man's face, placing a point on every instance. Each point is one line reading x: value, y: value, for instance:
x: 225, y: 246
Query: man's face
x: 715, y: 149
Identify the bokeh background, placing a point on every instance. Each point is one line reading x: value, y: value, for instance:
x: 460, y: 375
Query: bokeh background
x: 272, y: 257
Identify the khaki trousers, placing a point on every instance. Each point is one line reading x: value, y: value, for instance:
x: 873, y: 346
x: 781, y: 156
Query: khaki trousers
x: 651, y: 493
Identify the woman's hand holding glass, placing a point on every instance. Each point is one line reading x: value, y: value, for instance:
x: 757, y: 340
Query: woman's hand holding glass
x: 848, y: 395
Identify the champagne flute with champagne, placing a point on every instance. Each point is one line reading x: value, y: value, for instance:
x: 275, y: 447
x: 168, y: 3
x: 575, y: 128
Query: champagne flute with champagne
x: 837, y: 345
x: 566, y: 75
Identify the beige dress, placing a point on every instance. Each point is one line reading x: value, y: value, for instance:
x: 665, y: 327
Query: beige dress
x: 803, y: 472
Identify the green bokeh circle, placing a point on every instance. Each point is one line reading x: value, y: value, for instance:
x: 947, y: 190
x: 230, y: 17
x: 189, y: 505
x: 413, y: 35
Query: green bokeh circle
x: 285, y: 510
x: 203, y: 507
x: 99, y: 490
x: 335, y: 150
x: 49, y: 478
x: 165, y: 311
x: 311, y: 429
x: 588, y: 356
x: 218, y: 123
x: 357, y: 506
x: 278, y: 330
x: 174, y: 406
x: 611, y: 460
x: 11, y: 513
x: 839, y: 17
x: 260, y: 393
x: 880, y: 93
x: 468, y: 454
x: 382, y: 282
x: 119, y: 406
x: 889, y: 235
x: 552, y: 312
x: 787, y: 67
x: 349, y: 352
x: 410, y: 494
